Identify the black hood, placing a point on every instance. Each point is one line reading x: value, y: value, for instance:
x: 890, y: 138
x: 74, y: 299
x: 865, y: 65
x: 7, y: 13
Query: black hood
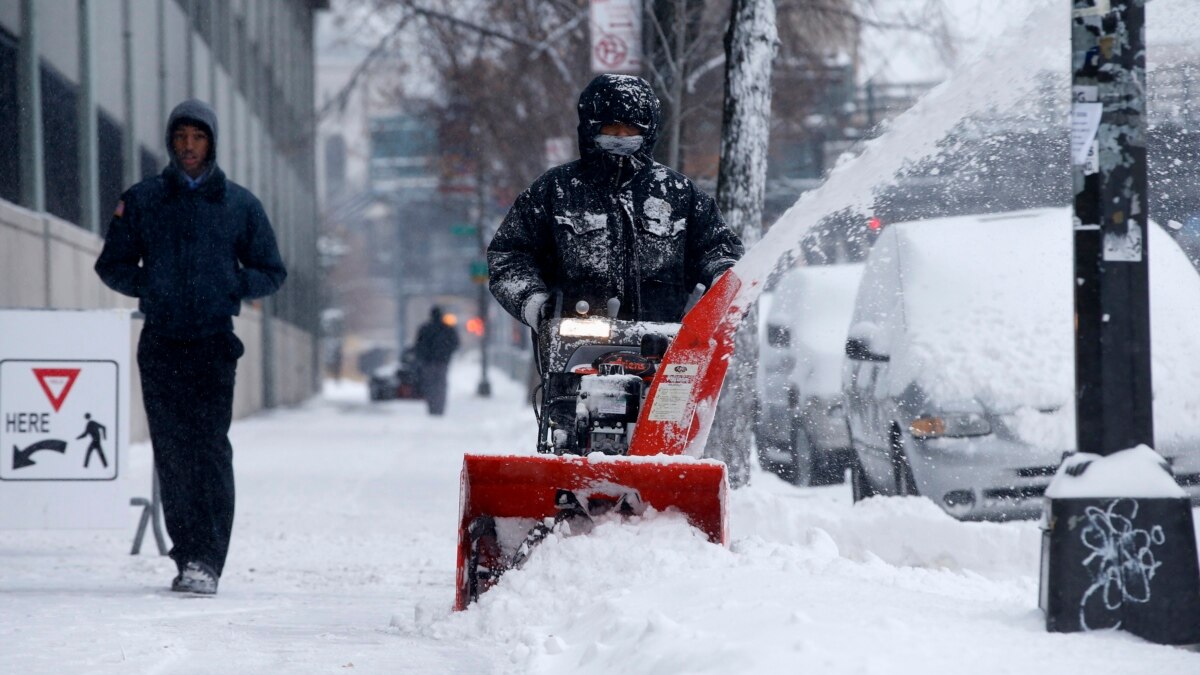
x: 194, y: 111
x: 617, y: 98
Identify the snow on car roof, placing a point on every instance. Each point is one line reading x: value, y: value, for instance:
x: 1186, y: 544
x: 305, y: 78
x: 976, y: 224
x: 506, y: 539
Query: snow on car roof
x: 816, y: 303
x: 988, y: 308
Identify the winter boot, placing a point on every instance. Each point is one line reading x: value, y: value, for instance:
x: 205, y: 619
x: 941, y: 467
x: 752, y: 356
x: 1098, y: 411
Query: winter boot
x: 195, y: 577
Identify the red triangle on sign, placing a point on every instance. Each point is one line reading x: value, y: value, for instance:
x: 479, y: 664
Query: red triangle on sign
x: 58, y: 380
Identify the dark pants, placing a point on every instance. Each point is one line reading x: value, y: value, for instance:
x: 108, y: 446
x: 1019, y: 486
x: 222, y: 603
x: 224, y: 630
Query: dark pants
x: 187, y: 387
x: 433, y: 386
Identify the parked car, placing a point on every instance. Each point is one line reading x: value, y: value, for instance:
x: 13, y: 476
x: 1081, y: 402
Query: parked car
x: 802, y: 429
x: 395, y: 380
x: 959, y: 377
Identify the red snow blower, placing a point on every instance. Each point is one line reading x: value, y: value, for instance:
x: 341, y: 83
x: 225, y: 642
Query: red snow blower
x: 623, y: 403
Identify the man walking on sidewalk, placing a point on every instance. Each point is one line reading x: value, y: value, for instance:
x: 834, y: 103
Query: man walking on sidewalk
x: 191, y: 246
x: 436, y: 342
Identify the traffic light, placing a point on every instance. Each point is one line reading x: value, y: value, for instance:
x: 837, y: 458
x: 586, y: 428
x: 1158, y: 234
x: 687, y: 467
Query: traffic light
x: 475, y: 326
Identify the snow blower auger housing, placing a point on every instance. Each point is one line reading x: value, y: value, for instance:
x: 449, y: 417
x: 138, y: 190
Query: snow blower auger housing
x: 622, y: 402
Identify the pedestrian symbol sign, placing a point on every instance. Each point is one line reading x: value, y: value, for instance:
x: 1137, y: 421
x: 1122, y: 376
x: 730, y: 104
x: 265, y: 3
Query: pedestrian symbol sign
x: 58, y: 420
x: 64, y: 418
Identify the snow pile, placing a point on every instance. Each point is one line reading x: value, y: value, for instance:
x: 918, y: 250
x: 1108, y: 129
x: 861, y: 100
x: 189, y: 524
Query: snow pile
x: 905, y: 532
x: 808, y: 580
x: 1136, y: 472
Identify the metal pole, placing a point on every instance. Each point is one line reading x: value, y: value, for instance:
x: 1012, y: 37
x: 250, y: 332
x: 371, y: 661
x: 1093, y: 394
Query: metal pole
x: 161, y: 45
x: 484, y: 390
x: 1124, y: 562
x: 398, y: 260
x: 29, y: 77
x: 189, y: 8
x: 132, y: 170
x: 1114, y: 408
x: 485, y: 386
x: 89, y: 171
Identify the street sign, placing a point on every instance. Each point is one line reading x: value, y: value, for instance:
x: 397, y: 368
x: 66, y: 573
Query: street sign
x: 64, y: 418
x: 479, y: 272
x: 616, y: 36
x: 58, y: 420
x: 463, y: 230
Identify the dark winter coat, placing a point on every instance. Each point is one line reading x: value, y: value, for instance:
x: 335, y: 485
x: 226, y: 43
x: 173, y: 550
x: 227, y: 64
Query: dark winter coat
x: 606, y: 226
x: 436, y: 342
x: 190, y: 256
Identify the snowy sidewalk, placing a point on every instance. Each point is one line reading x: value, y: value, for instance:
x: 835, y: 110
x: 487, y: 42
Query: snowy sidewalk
x: 343, y: 561
x: 346, y: 513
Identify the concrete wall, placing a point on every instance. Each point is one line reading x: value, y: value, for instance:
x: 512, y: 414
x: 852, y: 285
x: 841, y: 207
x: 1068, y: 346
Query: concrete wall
x: 28, y: 241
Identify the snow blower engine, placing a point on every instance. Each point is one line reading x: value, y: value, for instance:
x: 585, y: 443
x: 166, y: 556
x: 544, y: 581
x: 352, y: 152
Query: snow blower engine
x: 596, y: 371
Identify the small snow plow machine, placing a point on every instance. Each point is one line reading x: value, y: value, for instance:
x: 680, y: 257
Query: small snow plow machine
x: 624, y: 407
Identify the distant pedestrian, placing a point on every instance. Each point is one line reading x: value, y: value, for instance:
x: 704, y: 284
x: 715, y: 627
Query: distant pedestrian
x: 436, y: 342
x: 97, y: 432
x: 191, y: 246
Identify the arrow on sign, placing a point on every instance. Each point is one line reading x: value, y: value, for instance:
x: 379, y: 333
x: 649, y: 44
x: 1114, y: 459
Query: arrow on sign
x: 23, y: 458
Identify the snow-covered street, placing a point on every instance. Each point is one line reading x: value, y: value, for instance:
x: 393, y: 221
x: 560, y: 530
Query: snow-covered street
x: 343, y: 561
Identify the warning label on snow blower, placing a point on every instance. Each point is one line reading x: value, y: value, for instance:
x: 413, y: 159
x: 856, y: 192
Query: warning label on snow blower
x: 58, y: 420
x: 672, y: 398
x: 670, y: 402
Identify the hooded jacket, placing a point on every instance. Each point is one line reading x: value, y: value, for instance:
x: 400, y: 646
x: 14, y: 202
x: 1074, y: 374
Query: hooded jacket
x: 609, y: 226
x: 190, y: 256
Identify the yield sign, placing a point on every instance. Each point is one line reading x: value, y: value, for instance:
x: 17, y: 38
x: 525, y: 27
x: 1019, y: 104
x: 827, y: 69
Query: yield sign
x: 56, y: 382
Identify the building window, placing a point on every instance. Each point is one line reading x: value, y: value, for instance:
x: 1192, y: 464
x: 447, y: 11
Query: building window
x: 111, y: 159
x: 60, y: 137
x: 148, y: 163
x: 10, y: 124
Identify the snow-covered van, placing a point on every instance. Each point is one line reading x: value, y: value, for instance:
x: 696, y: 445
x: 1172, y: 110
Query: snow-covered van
x: 959, y: 374
x: 802, y: 432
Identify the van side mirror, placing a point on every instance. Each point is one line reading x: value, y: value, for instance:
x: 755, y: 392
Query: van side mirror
x: 859, y: 349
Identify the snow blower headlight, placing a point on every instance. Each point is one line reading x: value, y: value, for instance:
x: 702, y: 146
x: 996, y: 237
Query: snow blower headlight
x: 585, y: 328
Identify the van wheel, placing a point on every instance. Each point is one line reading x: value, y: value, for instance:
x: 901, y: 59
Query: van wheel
x: 906, y: 484
x: 800, y: 470
x: 860, y: 485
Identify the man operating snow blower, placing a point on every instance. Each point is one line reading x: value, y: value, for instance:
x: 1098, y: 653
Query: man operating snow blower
x: 612, y: 224
x: 599, y: 258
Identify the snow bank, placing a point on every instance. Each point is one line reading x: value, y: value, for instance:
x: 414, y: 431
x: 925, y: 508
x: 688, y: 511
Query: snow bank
x: 1136, y: 472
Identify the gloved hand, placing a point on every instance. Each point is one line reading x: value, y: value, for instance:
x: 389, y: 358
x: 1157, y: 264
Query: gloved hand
x: 532, y: 311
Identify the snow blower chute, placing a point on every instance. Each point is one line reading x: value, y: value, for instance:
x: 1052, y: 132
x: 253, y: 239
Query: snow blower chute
x: 641, y: 394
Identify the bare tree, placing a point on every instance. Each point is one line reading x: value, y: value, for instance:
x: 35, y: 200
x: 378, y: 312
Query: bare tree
x: 750, y: 46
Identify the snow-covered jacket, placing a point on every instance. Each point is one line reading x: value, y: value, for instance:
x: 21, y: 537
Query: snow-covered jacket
x: 609, y: 226
x: 190, y: 256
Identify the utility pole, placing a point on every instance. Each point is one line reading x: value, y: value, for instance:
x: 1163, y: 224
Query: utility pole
x: 1115, y: 555
x: 484, y: 390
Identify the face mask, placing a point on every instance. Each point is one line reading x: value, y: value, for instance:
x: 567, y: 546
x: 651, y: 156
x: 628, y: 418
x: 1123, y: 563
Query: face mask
x: 620, y: 145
